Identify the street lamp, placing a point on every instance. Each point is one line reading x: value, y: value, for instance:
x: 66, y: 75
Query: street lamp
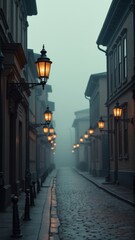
x: 117, y: 111
x: 54, y: 135
x: 101, y: 124
x: 91, y: 130
x: 43, y: 65
x: 48, y: 116
x: 81, y: 139
x: 49, y: 137
x: 86, y: 135
x: 51, y: 129
x: 45, y: 128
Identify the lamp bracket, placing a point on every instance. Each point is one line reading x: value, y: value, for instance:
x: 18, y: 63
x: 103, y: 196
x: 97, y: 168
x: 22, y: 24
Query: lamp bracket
x: 36, y: 125
x: 108, y: 131
x: 128, y: 120
x: 25, y: 86
x: 96, y: 136
x: 86, y: 143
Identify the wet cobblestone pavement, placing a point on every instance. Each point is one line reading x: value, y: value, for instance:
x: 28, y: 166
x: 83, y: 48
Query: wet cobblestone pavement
x: 88, y: 213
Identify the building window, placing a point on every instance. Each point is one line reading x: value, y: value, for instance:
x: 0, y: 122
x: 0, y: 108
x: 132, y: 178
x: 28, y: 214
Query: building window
x: 125, y: 58
x: 111, y: 74
x: 115, y: 68
x: 119, y: 64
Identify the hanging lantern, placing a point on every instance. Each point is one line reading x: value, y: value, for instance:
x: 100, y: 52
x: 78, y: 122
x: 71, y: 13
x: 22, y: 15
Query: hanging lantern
x: 45, y: 129
x: 49, y: 137
x: 91, y: 131
x: 48, y: 115
x: 54, y: 135
x: 117, y: 111
x: 51, y: 129
x: 101, y: 124
x: 43, y: 65
x: 86, y: 136
x: 81, y: 139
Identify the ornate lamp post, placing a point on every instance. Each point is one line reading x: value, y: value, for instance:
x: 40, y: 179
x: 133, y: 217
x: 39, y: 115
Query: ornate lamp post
x: 117, y: 112
x: 43, y: 65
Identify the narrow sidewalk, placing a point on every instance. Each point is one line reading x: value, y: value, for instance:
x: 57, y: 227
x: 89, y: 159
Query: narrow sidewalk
x: 38, y: 227
x: 121, y: 192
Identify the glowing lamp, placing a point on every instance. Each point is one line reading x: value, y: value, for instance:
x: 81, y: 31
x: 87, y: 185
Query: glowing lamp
x: 101, y: 124
x: 43, y: 65
x: 117, y: 111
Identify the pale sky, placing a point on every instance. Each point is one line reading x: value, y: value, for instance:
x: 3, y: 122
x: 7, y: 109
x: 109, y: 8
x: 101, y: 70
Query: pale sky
x: 69, y: 30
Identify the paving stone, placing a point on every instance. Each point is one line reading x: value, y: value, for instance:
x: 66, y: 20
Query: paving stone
x: 87, y: 212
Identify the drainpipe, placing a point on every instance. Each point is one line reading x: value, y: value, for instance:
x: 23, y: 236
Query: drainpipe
x: 88, y: 98
x: 88, y: 161
x: 108, y: 167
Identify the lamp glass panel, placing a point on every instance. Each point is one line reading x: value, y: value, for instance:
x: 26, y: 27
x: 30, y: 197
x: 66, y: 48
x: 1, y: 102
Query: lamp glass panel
x: 86, y: 136
x: 51, y: 130
x: 101, y: 124
x: 43, y: 69
x: 45, y: 130
x: 117, y: 111
x: 48, y: 116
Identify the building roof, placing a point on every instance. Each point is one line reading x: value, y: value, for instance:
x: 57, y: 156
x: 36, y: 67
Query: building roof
x: 93, y: 80
x: 114, y: 16
x: 81, y: 115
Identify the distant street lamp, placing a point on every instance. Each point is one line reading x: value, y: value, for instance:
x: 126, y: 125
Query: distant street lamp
x: 51, y: 129
x: 86, y: 135
x: 101, y: 124
x: 45, y: 128
x: 91, y: 130
x: 48, y: 116
x: 81, y: 139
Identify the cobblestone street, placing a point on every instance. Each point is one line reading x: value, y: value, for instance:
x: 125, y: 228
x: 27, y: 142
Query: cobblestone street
x: 87, y: 212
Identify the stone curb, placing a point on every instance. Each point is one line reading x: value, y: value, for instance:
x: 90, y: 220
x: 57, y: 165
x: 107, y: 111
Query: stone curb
x: 54, y: 220
x: 106, y: 189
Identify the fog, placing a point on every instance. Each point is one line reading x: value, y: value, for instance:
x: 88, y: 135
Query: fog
x: 69, y: 30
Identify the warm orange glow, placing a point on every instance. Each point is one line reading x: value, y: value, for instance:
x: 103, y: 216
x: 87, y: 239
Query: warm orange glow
x: 101, y: 124
x: 48, y: 115
x: 117, y: 111
x: 81, y: 139
x: 51, y: 129
x: 45, y: 129
x: 49, y: 137
x: 43, y: 65
x: 43, y: 69
x: 86, y: 135
x: 54, y: 135
x: 91, y: 131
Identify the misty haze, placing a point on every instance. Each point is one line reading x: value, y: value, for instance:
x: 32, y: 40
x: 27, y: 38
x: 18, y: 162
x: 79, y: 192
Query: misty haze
x: 67, y: 120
